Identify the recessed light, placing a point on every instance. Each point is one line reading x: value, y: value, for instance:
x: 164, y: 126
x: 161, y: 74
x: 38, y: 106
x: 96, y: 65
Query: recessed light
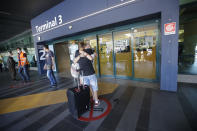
x: 70, y: 27
x: 38, y: 37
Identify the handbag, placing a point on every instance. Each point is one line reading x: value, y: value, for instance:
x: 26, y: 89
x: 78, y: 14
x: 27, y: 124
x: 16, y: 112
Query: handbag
x: 47, y: 67
x: 75, y: 70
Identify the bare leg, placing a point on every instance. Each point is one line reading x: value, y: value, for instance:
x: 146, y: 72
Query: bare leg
x: 96, y: 100
x: 92, y: 93
x: 95, y: 96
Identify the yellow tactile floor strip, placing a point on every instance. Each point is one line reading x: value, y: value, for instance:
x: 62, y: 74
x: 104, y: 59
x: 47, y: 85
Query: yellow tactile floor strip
x: 46, y: 98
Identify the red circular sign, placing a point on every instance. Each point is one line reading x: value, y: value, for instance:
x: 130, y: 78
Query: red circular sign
x: 91, y: 118
x: 170, y: 27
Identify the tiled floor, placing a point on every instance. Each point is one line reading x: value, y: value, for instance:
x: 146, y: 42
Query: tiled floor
x: 136, y: 106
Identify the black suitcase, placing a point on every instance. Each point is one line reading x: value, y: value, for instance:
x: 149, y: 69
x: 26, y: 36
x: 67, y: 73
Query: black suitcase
x: 78, y: 100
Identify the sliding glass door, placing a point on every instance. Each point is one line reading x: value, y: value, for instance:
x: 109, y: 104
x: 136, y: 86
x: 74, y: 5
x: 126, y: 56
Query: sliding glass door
x: 106, y: 54
x: 144, y: 47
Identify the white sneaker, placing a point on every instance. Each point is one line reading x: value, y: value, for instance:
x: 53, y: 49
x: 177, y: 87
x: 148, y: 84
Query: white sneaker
x: 97, y: 103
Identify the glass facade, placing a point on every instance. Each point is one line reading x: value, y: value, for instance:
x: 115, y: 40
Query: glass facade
x: 25, y: 42
x: 187, y: 59
x: 127, y: 52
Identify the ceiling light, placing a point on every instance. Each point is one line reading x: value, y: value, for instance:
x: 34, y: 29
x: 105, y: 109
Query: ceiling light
x: 38, y: 37
x: 70, y: 27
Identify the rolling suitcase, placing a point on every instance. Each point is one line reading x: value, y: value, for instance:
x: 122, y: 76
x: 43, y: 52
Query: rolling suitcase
x: 78, y: 100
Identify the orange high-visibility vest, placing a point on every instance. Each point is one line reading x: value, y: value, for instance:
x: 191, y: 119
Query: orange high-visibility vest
x: 21, y: 59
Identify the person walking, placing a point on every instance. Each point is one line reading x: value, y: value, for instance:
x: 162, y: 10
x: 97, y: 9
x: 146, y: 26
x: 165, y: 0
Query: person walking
x: 50, y: 65
x: 11, y: 66
x: 23, y: 65
x: 85, y: 64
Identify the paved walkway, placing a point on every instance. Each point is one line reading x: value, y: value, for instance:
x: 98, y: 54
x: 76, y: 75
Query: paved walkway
x: 136, y: 106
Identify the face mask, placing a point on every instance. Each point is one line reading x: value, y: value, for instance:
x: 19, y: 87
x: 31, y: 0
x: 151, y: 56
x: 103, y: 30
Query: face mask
x: 18, y: 51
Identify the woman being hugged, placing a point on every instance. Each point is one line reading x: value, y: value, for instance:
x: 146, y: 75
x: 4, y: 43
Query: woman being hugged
x: 89, y: 77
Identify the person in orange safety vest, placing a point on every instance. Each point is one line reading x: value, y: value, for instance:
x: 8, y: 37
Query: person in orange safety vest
x: 23, y: 65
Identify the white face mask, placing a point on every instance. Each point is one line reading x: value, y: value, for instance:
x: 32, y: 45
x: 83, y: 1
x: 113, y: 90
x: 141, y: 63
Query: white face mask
x: 18, y: 51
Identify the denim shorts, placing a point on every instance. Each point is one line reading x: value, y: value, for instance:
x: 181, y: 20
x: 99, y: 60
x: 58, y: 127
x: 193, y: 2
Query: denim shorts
x: 91, y: 81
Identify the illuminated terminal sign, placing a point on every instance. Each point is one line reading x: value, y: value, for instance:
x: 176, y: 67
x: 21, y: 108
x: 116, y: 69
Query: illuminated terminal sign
x: 49, y: 24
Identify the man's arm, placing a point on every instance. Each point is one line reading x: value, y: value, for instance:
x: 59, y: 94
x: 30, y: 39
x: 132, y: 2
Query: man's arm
x: 76, y: 59
x: 87, y: 55
x: 53, y: 62
x: 25, y: 58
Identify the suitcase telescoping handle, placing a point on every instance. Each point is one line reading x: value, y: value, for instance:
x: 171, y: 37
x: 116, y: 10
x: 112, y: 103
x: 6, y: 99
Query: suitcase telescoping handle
x: 78, y: 82
x: 82, y: 79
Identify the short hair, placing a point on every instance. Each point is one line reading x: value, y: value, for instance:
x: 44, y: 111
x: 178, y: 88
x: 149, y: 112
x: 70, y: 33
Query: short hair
x: 82, y: 45
x: 46, y: 46
x: 18, y: 48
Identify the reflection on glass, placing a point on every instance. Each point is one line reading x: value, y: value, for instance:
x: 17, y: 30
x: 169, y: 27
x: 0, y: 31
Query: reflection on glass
x: 144, y: 45
x: 187, y: 57
x: 91, y: 40
x: 106, y: 54
x: 73, y: 47
x: 122, y: 48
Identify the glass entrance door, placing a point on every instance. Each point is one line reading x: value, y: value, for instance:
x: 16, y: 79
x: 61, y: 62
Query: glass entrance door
x: 106, y: 54
x: 122, y: 50
x: 144, y: 45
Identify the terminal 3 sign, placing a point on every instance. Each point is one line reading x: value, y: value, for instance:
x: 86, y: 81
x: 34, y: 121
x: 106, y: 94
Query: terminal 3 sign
x: 57, y: 21
x: 49, y: 24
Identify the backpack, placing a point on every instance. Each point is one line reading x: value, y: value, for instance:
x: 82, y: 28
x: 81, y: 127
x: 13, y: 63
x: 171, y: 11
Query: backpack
x: 75, y: 70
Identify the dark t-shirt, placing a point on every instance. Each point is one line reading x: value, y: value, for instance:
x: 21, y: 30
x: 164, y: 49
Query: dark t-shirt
x: 85, y: 65
x: 48, y: 57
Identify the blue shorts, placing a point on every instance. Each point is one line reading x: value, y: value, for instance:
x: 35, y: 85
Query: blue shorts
x: 91, y: 81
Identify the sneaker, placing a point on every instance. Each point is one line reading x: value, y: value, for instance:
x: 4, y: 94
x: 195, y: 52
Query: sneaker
x: 96, y: 103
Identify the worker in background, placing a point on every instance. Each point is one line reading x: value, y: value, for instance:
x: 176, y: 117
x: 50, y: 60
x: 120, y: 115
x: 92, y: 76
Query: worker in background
x: 23, y: 65
x: 11, y: 66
